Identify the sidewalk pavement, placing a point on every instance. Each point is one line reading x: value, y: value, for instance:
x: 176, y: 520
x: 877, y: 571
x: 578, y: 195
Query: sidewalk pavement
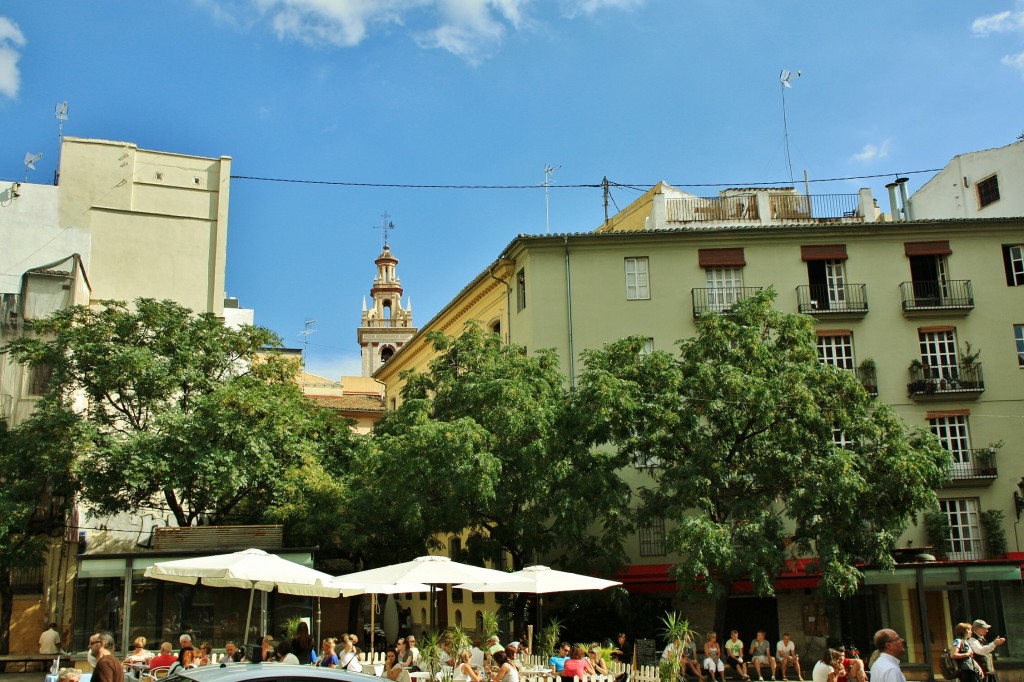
x: 23, y: 677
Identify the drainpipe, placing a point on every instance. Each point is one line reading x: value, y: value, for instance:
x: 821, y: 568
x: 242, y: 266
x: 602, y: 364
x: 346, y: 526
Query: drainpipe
x: 508, y: 303
x: 908, y: 213
x: 568, y: 308
x: 893, y: 206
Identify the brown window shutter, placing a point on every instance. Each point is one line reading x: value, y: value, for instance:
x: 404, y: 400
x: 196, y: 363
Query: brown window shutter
x: 942, y: 414
x: 712, y: 258
x: 937, y: 248
x: 930, y: 330
x: 834, y: 332
x: 823, y: 252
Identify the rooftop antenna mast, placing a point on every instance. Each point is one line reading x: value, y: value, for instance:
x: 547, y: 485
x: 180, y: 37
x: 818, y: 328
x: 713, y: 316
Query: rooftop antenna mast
x: 785, y: 76
x: 386, y: 226
x: 30, y: 162
x: 60, y: 113
x: 548, y: 172
x: 308, y: 324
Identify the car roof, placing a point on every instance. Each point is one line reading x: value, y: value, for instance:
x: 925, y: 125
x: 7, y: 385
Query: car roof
x: 240, y: 672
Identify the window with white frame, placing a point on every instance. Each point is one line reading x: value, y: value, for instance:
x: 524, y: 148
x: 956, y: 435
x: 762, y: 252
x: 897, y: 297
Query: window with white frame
x: 964, y: 528
x: 1013, y: 263
x: 840, y: 439
x: 725, y: 286
x: 953, y: 434
x: 637, y: 279
x: 649, y: 344
x: 938, y: 351
x: 836, y: 350
x: 1018, y: 336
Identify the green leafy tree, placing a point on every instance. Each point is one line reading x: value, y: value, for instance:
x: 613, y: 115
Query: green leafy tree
x: 180, y: 406
x: 37, y: 492
x: 485, y: 441
x: 739, y: 431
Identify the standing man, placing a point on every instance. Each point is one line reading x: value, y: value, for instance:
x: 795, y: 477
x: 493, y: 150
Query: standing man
x: 887, y: 668
x: 49, y: 641
x: 108, y: 669
x: 983, y: 649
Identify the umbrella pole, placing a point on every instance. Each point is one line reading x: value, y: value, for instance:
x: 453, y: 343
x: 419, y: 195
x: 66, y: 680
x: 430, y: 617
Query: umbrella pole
x: 373, y: 631
x: 248, y: 619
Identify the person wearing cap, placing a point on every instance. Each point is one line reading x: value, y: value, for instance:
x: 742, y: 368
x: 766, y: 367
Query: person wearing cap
x: 494, y: 645
x: 983, y: 649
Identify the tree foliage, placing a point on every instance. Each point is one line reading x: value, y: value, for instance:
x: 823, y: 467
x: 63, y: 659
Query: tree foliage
x: 37, y: 490
x: 180, y: 406
x: 741, y: 429
x: 486, y: 441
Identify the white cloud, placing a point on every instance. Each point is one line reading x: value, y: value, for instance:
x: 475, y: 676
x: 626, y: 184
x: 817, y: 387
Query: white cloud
x: 575, y: 8
x: 1016, y: 61
x: 11, y: 38
x: 871, y: 152
x: 471, y: 29
x: 1001, y: 22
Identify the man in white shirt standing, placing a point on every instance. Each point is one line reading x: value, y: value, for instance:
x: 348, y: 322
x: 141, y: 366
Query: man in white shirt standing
x: 49, y: 641
x: 887, y: 668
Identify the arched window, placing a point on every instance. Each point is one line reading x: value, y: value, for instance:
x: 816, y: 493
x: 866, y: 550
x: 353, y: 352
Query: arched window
x: 385, y: 354
x: 387, y: 308
x: 495, y: 326
x: 479, y: 622
x: 423, y: 617
x: 458, y: 618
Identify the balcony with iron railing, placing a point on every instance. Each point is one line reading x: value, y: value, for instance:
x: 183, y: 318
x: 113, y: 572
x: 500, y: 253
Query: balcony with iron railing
x: 848, y: 300
x: 782, y: 207
x: 975, y: 468
x: 950, y: 297
x: 719, y: 300
x: 963, y: 381
x: 867, y: 376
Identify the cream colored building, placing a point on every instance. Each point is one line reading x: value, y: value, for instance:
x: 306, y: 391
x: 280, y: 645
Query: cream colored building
x: 123, y: 223
x: 900, y: 294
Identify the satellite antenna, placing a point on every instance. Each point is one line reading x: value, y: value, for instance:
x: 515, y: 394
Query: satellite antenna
x: 548, y: 172
x: 60, y: 112
x: 305, y: 338
x: 785, y: 78
x: 30, y: 162
x: 385, y: 226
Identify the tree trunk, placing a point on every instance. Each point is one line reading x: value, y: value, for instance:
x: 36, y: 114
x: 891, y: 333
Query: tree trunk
x: 6, y: 609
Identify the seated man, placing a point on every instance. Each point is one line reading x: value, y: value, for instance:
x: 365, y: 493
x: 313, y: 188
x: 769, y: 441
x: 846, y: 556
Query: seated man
x: 557, y: 662
x: 760, y: 653
x: 164, y: 659
x: 785, y: 652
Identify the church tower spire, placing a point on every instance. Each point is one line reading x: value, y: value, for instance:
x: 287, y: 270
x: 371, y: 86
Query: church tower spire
x: 386, y: 326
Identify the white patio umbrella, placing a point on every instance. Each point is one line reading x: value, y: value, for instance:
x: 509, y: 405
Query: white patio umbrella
x: 252, y: 569
x: 428, y: 570
x: 541, y: 580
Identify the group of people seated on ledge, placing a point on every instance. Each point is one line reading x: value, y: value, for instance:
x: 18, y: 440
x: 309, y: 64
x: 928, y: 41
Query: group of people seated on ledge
x: 737, y: 656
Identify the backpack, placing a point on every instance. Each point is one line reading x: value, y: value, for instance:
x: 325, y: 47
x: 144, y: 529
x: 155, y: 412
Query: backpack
x: 950, y: 667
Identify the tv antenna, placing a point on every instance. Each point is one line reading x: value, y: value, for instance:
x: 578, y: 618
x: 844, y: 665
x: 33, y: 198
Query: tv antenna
x: 308, y: 324
x: 549, y: 170
x: 785, y: 78
x: 30, y: 162
x: 60, y: 112
x: 386, y: 226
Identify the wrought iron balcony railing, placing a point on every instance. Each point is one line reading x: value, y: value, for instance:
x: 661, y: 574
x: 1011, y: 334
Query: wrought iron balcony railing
x: 954, y: 294
x: 960, y: 380
x: 719, y: 300
x: 821, y: 299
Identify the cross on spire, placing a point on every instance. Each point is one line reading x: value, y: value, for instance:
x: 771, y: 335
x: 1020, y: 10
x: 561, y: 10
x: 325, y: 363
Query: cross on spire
x: 386, y: 226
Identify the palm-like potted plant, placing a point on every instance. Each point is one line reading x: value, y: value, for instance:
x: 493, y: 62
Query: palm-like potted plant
x: 678, y: 632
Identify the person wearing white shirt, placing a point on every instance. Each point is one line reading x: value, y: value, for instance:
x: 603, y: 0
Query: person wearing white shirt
x: 887, y: 667
x: 785, y: 653
x: 983, y: 649
x: 49, y: 641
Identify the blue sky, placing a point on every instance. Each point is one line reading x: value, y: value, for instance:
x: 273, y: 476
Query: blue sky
x: 489, y: 92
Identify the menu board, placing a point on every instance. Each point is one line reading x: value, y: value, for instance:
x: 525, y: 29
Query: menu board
x: 645, y: 651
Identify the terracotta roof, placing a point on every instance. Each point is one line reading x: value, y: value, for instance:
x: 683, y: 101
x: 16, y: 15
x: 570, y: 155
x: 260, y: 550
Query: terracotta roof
x: 350, y: 403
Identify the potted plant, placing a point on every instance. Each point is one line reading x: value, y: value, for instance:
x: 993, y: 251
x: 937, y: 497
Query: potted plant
x: 992, y: 524
x: 969, y: 356
x: 430, y: 653
x: 936, y: 528
x: 549, y: 635
x: 868, y: 377
x: 677, y: 631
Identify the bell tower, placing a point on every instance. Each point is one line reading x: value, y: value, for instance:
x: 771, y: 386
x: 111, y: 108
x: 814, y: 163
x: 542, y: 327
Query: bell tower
x: 386, y: 325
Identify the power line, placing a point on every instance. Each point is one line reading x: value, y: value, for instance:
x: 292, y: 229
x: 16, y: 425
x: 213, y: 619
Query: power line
x: 629, y: 185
